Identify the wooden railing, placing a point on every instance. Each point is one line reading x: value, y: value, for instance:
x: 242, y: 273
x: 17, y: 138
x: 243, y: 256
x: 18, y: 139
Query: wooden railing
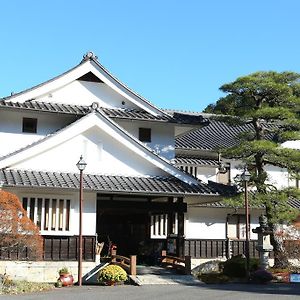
x: 56, y: 248
x: 127, y: 263
x: 209, y: 248
x: 181, y: 264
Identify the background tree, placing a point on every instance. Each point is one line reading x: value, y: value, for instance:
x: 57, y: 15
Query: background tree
x: 17, y: 231
x: 269, y: 101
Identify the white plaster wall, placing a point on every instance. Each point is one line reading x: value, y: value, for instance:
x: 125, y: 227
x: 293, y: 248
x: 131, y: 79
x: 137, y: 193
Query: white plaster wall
x: 11, y: 136
x: 162, y: 139
x: 210, y: 223
x: 89, y: 208
x: 85, y: 93
x: 102, y: 153
x: 207, y: 173
x: 276, y: 176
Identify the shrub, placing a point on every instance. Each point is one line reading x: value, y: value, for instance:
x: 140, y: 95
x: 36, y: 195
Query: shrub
x: 261, y: 276
x: 112, y: 273
x: 64, y: 270
x: 211, y: 278
x: 236, y: 266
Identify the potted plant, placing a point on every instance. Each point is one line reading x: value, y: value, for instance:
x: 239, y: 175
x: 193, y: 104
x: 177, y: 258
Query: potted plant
x: 65, y: 277
x: 112, y: 274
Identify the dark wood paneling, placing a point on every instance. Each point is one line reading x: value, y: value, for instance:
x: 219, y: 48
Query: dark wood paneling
x: 206, y: 248
x: 56, y: 248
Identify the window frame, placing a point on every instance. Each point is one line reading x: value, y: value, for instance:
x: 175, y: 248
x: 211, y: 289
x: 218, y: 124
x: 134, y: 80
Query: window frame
x: 29, y: 125
x: 145, y: 134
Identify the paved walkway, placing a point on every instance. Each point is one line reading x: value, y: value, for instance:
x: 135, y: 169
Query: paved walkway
x: 157, y: 275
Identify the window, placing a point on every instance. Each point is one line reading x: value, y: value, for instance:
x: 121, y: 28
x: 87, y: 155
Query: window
x: 193, y: 170
x: 29, y: 125
x: 145, y: 134
x: 236, y: 227
x: 48, y: 214
x: 159, y: 226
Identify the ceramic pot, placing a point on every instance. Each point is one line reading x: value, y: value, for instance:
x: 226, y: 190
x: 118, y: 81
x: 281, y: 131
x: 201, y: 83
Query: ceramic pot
x: 66, y: 279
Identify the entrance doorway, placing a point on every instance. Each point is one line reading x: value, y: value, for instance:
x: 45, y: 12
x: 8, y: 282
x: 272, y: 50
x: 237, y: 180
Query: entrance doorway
x: 127, y: 231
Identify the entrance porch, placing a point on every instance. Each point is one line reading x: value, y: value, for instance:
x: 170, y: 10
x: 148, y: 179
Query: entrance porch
x: 141, y: 225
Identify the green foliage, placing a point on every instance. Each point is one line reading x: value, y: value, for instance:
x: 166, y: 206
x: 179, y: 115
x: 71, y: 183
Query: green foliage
x: 270, y: 102
x: 64, y: 270
x: 112, y: 273
x: 213, y: 278
x: 236, y: 266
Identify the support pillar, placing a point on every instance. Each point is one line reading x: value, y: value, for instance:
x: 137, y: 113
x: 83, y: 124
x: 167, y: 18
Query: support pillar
x: 180, y: 230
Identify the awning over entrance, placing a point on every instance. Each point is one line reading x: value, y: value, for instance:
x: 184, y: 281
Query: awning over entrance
x: 152, y: 186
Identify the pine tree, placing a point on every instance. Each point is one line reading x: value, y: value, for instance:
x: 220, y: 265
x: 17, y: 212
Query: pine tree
x: 270, y: 102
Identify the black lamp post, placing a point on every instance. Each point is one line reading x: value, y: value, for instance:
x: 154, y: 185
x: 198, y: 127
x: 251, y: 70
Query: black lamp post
x: 81, y: 166
x: 245, y: 176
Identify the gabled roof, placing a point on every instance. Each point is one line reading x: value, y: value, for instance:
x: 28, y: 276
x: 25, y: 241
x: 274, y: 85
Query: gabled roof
x: 129, y: 114
x: 160, y: 186
x: 88, y: 65
x: 97, y: 118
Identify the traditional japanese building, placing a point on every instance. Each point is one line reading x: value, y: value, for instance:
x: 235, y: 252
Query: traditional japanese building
x: 134, y: 195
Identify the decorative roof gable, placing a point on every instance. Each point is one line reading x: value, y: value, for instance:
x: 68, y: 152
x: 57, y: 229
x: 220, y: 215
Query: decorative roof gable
x: 89, y: 70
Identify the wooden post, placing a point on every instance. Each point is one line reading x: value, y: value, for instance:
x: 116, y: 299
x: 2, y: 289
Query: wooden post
x: 132, y: 269
x: 188, y: 265
x: 180, y: 230
x: 170, y: 218
x: 113, y: 255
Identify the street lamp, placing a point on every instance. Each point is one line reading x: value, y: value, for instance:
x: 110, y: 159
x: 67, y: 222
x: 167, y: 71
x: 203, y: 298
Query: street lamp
x: 81, y: 166
x: 245, y: 176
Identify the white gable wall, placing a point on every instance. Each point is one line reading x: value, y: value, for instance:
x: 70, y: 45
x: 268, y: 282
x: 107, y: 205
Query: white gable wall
x: 103, y: 154
x: 85, y: 93
x: 162, y: 135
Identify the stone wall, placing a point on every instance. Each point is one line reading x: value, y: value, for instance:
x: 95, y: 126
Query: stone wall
x: 43, y: 271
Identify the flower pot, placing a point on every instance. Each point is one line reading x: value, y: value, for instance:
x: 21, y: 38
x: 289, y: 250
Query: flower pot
x: 66, y: 279
x: 110, y: 283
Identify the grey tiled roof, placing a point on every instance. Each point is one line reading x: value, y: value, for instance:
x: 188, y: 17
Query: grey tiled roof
x: 190, y: 160
x: 46, y: 106
x: 215, y: 135
x: 293, y: 202
x: 104, y: 183
x: 131, y: 114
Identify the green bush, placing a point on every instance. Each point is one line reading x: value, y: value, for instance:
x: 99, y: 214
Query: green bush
x: 112, y: 273
x: 211, y: 278
x: 236, y: 266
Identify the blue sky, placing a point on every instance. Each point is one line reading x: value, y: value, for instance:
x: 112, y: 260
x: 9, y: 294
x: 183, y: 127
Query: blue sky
x: 174, y: 53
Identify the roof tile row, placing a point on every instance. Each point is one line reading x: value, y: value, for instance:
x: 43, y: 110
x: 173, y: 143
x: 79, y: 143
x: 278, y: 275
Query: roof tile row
x: 104, y: 183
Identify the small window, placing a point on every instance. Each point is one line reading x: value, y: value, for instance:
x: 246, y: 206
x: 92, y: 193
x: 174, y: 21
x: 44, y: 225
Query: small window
x: 145, y: 134
x: 29, y: 125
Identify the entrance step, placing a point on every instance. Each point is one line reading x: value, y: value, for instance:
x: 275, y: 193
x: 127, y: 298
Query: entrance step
x: 157, y: 275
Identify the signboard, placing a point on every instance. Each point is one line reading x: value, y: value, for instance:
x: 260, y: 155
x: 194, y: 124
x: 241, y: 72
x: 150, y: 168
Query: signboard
x: 295, y: 278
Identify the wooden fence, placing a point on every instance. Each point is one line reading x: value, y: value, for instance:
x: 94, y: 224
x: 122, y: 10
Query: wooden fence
x: 56, y: 248
x: 209, y: 248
